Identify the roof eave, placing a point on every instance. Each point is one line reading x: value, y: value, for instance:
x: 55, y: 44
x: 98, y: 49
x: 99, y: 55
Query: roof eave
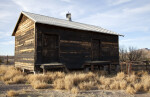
x: 13, y: 34
x: 22, y: 13
x: 79, y: 29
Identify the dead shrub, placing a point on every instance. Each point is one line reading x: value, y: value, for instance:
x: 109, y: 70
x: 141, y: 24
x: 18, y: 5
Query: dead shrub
x: 123, y: 84
x: 141, y: 73
x: 86, y: 85
x: 12, y: 75
x: 3, y: 69
x: 55, y: 75
x: 130, y: 90
x: 131, y: 78
x: 120, y: 76
x: 145, y: 79
x: 12, y: 93
x: 39, y: 85
x: 39, y: 77
x: 59, y: 83
x: 138, y: 87
x: 102, y: 80
x: 75, y: 90
x: 69, y: 82
x: 16, y: 80
x: 115, y: 85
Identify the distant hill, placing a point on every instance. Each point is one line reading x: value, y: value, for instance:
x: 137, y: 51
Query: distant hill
x: 146, y: 52
x: 4, y: 59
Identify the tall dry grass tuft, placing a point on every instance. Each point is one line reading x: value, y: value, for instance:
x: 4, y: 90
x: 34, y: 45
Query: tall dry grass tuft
x: 39, y: 85
x: 131, y: 78
x: 123, y: 84
x: 138, y: 87
x: 115, y: 85
x: 11, y: 75
x: 120, y: 76
x: 75, y: 79
x: 38, y: 77
x: 16, y: 80
x: 59, y: 84
x: 130, y: 90
x: 75, y: 90
x: 3, y: 69
x: 145, y: 79
x: 86, y: 85
x: 12, y: 93
x: 142, y: 73
x: 69, y: 82
x: 55, y: 75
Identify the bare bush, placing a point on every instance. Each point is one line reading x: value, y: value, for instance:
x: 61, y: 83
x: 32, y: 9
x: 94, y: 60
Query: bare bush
x: 123, y: 54
x: 134, y: 54
x: 130, y: 54
x: 12, y: 93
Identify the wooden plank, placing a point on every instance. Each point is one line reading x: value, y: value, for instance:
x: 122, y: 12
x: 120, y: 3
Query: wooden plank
x: 24, y: 44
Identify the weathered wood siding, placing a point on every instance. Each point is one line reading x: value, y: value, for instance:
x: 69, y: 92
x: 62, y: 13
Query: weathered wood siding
x: 24, y: 44
x: 75, y: 46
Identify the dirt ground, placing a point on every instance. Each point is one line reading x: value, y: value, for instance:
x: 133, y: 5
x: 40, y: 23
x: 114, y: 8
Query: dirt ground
x: 26, y: 90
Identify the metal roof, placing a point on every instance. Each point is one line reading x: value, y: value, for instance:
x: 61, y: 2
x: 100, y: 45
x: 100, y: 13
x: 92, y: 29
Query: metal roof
x: 66, y: 23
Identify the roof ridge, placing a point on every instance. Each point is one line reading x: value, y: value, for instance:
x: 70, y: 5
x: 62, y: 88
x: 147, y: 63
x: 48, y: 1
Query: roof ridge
x: 74, y: 24
x: 67, y: 20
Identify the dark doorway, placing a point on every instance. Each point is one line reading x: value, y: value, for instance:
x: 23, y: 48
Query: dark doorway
x: 50, y: 50
x: 96, y: 49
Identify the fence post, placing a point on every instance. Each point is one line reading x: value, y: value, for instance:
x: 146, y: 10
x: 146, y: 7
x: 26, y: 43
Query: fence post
x: 127, y: 68
x: 7, y: 60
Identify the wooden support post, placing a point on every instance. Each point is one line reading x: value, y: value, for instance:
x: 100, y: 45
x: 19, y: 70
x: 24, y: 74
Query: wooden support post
x: 92, y: 67
x: 23, y: 70
x: 109, y: 67
x: 121, y: 67
x: 130, y: 67
x: 43, y: 70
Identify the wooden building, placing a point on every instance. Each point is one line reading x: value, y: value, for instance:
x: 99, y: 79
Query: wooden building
x: 41, y: 39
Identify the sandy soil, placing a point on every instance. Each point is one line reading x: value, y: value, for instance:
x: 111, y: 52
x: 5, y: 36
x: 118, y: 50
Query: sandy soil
x: 26, y: 90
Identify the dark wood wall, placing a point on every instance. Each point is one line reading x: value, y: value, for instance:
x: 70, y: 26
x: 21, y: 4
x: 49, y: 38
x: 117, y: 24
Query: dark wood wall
x: 75, y: 46
x: 24, y: 44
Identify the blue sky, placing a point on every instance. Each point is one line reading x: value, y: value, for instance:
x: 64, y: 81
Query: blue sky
x: 128, y: 17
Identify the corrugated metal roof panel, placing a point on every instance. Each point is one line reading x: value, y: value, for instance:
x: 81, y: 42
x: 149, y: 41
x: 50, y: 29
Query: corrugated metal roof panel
x: 65, y: 23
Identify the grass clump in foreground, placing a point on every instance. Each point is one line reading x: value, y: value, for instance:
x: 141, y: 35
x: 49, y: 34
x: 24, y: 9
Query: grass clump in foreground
x: 12, y: 93
x: 77, y: 81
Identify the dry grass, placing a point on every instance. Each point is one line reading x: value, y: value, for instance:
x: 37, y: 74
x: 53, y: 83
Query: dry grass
x: 132, y: 78
x: 138, y: 87
x: 10, y: 75
x: 86, y: 85
x: 39, y: 85
x: 130, y: 90
x: 12, y: 93
x: 115, y: 85
x: 74, y: 90
x: 76, y: 81
x: 123, y: 84
x: 120, y: 76
x: 146, y: 82
x: 59, y: 84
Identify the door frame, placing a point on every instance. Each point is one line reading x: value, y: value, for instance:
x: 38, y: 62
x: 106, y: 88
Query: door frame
x: 92, y: 48
x: 58, y: 45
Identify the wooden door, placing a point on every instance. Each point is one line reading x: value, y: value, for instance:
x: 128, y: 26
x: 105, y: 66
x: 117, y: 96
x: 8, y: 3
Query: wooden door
x: 50, y: 50
x: 96, y: 49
